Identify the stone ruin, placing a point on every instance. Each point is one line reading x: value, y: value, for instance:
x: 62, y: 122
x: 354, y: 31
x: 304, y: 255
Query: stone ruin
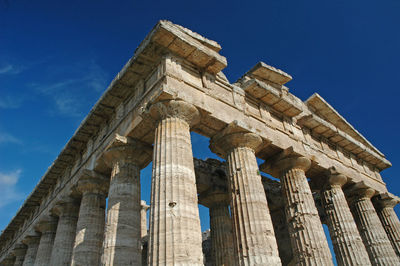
x: 328, y: 173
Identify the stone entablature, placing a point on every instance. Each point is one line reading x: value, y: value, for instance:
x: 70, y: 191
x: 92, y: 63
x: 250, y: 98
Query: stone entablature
x: 173, y: 63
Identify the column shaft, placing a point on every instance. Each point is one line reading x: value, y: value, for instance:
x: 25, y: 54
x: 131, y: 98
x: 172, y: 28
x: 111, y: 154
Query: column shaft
x: 19, y: 252
x: 391, y: 223
x: 347, y: 243
x: 175, y: 233
x: 252, y: 225
x: 309, y: 243
x: 33, y: 243
x: 221, y: 235
x: 48, y: 230
x: 89, y: 230
x: 65, y: 236
x: 122, y: 243
x: 378, y: 246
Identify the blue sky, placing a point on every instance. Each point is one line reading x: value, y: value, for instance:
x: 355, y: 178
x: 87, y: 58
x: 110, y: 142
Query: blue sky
x: 57, y: 57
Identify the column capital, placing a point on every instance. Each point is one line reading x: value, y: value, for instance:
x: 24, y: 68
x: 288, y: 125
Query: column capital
x: 66, y: 206
x: 213, y: 197
x: 92, y: 182
x: 234, y: 136
x: 29, y: 240
x: 359, y: 191
x: 129, y: 150
x: 47, y: 224
x: 177, y: 109
x: 385, y: 200
x: 335, y: 178
x: 289, y: 163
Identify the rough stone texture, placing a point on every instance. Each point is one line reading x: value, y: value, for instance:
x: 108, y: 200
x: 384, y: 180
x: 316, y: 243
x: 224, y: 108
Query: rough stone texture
x: 207, y: 248
x: 217, y: 200
x: 347, y: 243
x: 123, y: 240
x: 19, y: 252
x: 90, y: 225
x: 384, y: 204
x: 254, y: 236
x: 376, y: 241
x: 9, y: 261
x: 67, y: 211
x: 175, y: 234
x: 33, y: 243
x: 307, y: 235
x: 143, y: 218
x: 48, y: 229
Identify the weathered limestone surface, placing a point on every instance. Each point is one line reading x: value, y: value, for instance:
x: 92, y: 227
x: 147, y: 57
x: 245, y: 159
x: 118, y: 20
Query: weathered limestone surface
x: 217, y: 200
x: 376, y: 241
x: 143, y: 218
x: 33, y: 243
x: 90, y: 225
x: 48, y: 229
x: 19, y: 252
x: 254, y: 236
x: 9, y: 261
x: 67, y: 211
x: 122, y: 242
x: 175, y: 233
x: 347, y: 243
x: 307, y: 235
x: 384, y: 205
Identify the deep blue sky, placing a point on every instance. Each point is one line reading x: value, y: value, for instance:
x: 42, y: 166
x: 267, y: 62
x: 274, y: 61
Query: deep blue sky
x: 57, y: 57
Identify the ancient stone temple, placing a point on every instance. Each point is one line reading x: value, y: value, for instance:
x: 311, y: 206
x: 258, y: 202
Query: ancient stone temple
x: 87, y: 208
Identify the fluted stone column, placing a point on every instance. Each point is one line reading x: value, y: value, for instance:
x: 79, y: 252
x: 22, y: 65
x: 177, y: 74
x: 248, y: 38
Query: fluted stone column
x: 376, y: 242
x: 90, y: 225
x: 122, y: 242
x: 19, y: 252
x: 48, y: 228
x: 347, y: 243
x: 384, y: 204
x: 254, y: 236
x: 67, y: 210
x: 175, y: 232
x: 143, y: 217
x: 221, y: 227
x: 33, y: 243
x: 309, y: 243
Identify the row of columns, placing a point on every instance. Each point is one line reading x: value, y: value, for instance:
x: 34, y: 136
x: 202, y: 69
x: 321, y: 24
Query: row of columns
x: 247, y: 238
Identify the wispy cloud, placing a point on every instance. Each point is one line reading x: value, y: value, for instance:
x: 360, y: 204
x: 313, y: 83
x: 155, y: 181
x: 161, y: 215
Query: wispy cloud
x: 10, y: 102
x: 8, y: 183
x: 6, y: 138
x: 10, y: 69
x: 74, y: 85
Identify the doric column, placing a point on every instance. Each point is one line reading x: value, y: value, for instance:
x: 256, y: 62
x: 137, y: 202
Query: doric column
x: 48, y: 228
x: 19, y: 252
x: 221, y: 226
x: 309, y: 243
x: 143, y: 217
x: 122, y: 242
x: 90, y: 225
x: 175, y: 232
x: 253, y: 232
x: 384, y: 204
x: 347, y: 243
x: 376, y: 242
x: 67, y: 211
x: 33, y: 243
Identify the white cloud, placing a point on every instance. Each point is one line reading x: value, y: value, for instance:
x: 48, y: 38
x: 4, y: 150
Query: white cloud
x: 8, y: 183
x: 7, y: 138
